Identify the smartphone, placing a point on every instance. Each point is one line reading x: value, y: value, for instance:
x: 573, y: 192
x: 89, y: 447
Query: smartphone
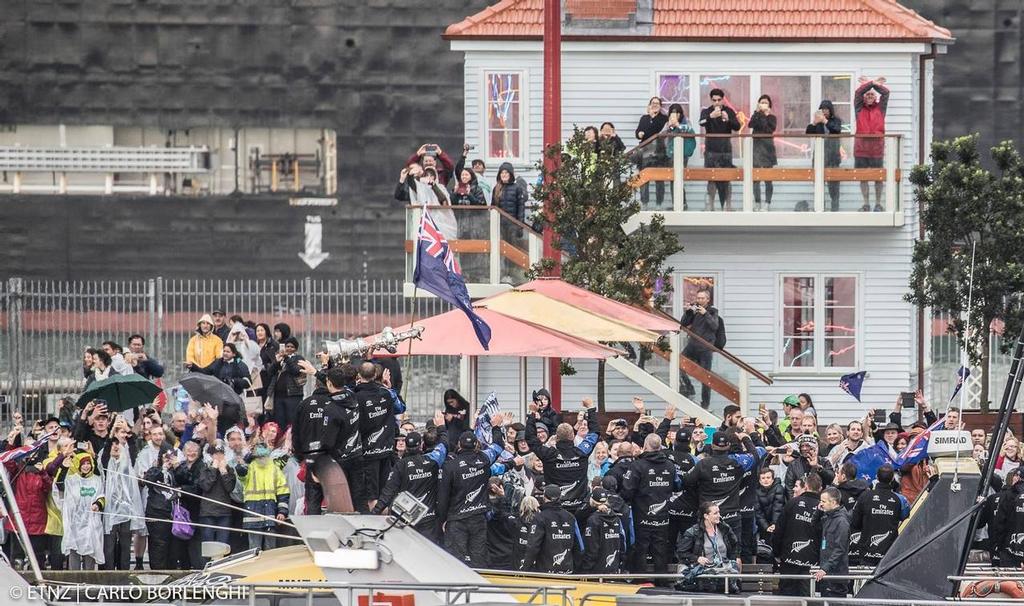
x: 81, y: 446
x: 907, y: 398
x: 879, y: 417
x: 100, y: 402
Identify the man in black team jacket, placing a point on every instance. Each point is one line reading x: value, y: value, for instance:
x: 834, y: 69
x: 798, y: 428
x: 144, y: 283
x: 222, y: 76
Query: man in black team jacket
x: 378, y: 406
x: 327, y: 429
x: 1008, y: 524
x: 648, y: 485
x: 797, y: 538
x: 604, y: 537
x: 718, y: 478
x: 417, y: 473
x: 682, y: 507
x: 463, y: 500
x: 565, y: 465
x: 876, y: 517
x: 556, y: 544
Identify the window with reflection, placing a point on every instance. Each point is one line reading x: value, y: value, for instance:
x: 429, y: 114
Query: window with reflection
x: 504, y: 120
x: 791, y: 104
x: 819, y: 322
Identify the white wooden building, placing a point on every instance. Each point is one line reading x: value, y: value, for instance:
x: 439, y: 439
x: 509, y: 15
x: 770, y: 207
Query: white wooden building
x: 839, y: 276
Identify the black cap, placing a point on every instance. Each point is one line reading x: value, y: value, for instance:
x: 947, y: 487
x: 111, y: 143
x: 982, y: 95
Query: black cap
x: 891, y: 426
x: 49, y: 420
x: 467, y: 441
x: 543, y: 427
x: 552, y: 493
x: 218, y: 312
x: 620, y: 423
x: 720, y: 441
x: 683, y: 435
x: 413, y: 440
x: 919, y: 424
x: 806, y: 439
x: 600, y: 495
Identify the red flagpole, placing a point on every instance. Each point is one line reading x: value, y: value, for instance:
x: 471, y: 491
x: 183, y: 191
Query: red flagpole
x: 552, y: 136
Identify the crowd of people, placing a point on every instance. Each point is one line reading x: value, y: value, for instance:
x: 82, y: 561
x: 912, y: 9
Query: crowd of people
x: 555, y: 492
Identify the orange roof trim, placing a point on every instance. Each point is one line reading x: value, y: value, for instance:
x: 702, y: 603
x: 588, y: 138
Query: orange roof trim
x: 711, y: 20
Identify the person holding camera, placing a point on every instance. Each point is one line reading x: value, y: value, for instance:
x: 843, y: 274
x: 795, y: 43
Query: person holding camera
x: 430, y: 155
x: 703, y: 320
x: 806, y: 460
x: 718, y: 119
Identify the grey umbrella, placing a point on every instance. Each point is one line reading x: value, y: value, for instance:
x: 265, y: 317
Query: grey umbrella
x: 208, y: 388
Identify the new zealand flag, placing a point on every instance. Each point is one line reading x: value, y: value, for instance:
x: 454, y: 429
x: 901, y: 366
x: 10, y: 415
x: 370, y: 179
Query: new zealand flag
x: 438, y: 272
x: 852, y: 383
x: 961, y: 376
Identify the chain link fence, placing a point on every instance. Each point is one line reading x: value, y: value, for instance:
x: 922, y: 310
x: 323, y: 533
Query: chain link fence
x: 45, y: 327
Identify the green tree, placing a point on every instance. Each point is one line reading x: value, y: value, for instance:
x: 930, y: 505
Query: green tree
x: 589, y: 198
x: 966, y: 206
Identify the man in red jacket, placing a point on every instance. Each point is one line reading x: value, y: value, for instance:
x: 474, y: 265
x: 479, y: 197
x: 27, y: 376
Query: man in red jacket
x: 870, y: 102
x: 31, y: 488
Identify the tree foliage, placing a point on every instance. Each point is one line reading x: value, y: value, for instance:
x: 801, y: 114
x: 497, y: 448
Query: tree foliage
x: 589, y: 199
x: 964, y: 205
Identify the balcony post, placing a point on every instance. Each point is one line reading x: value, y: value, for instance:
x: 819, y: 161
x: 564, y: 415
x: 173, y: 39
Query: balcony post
x: 494, y: 250
x: 891, y: 158
x: 62, y: 183
x: 818, y: 145
x: 675, y: 345
x: 677, y: 174
x: 747, y: 145
x: 17, y: 183
x: 108, y: 183
x: 743, y: 383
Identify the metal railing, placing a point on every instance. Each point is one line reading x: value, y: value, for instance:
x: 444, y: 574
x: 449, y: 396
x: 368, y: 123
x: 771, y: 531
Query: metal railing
x: 491, y: 246
x: 804, y: 173
x: 45, y: 326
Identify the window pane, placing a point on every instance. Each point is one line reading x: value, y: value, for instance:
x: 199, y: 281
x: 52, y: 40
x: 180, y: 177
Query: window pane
x: 674, y: 88
x: 842, y: 353
x: 797, y: 292
x: 841, y: 291
x: 798, y: 321
x: 841, y: 321
x: 503, y: 107
x: 791, y: 104
x: 737, y: 93
x: 798, y: 353
x: 838, y: 90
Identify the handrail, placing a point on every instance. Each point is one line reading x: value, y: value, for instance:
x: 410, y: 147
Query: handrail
x: 750, y: 600
x: 746, y: 135
x: 461, y: 207
x: 738, y: 362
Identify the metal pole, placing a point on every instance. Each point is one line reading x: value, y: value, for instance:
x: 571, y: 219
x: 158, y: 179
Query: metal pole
x: 14, y: 314
x: 20, y: 525
x: 552, y: 136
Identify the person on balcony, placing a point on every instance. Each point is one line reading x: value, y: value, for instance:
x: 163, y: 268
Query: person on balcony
x: 651, y: 124
x: 467, y: 191
x: 870, y: 102
x: 826, y: 122
x: 430, y: 155
x: 718, y: 119
x: 703, y: 320
x: 677, y: 125
x: 762, y: 125
x: 509, y: 195
x: 609, y: 142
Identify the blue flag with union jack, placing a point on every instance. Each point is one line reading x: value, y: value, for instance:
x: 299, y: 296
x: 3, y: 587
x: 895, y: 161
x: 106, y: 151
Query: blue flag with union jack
x: 961, y: 376
x: 438, y: 272
x: 852, y: 383
x: 917, y: 448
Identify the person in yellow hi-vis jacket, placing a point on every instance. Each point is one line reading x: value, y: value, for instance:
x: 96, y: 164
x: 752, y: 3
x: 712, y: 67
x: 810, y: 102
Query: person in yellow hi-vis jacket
x: 266, y: 493
x: 204, y: 347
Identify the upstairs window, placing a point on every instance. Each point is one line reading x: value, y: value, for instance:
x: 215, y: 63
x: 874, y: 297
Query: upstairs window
x: 820, y: 327
x: 503, y: 120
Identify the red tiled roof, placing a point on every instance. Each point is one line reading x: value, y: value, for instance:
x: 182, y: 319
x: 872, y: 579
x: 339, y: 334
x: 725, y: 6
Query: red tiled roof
x: 608, y: 9
x: 709, y: 20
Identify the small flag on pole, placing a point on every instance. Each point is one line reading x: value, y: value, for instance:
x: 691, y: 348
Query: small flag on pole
x: 961, y: 376
x: 483, y: 418
x: 852, y: 383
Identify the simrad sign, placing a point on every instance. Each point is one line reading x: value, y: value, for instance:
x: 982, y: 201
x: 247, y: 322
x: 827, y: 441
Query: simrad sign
x: 949, y: 442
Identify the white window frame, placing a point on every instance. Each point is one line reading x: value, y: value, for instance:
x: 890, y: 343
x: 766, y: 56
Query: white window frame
x: 524, y: 117
x: 819, y: 368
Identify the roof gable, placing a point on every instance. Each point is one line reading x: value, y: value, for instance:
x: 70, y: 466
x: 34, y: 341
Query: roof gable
x: 711, y: 20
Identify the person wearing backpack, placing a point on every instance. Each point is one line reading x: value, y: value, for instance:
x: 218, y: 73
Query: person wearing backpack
x: 702, y: 319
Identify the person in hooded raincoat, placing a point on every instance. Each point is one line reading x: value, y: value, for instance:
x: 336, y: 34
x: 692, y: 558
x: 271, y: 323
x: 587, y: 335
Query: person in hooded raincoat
x: 124, y: 511
x: 83, y: 522
x: 826, y: 122
x: 204, y: 347
x: 248, y: 350
x: 509, y: 195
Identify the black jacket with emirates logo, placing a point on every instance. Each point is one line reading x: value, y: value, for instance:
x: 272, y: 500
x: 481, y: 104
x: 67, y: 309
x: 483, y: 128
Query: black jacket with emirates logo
x: 565, y: 465
x: 377, y: 408
x: 683, y: 503
x: 310, y: 427
x: 328, y: 424
x: 718, y: 479
x: 462, y: 492
x: 417, y: 474
x: 555, y: 544
x: 875, y: 523
x: 797, y: 537
x: 1009, y: 521
x: 604, y: 544
x: 648, y: 485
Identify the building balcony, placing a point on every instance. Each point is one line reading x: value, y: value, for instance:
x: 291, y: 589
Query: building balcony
x: 493, y: 249
x: 811, y: 188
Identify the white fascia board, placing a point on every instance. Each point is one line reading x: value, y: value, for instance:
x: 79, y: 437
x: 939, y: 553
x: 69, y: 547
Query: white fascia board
x: 698, y: 47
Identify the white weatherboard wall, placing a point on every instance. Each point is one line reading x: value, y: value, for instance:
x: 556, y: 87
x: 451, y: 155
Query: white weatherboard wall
x: 613, y: 80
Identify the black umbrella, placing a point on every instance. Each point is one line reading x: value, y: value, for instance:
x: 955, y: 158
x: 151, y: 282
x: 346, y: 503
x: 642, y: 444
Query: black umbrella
x: 122, y: 392
x: 208, y: 388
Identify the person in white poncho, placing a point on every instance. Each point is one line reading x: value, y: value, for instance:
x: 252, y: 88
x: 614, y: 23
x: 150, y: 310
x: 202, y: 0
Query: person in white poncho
x: 83, y: 524
x: 123, y: 513
x: 247, y: 348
